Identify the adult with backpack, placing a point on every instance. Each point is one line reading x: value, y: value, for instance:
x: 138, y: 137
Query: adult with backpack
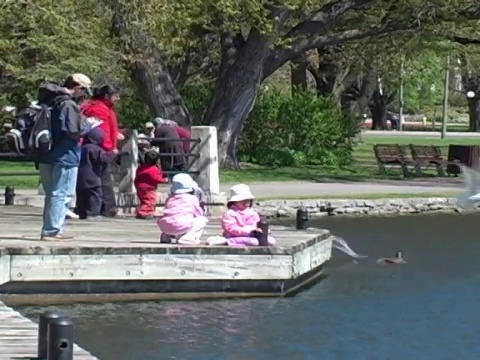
x: 56, y: 148
x: 101, y: 106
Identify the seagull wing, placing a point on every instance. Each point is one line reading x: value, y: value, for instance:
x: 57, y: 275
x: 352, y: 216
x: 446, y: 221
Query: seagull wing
x: 471, y: 194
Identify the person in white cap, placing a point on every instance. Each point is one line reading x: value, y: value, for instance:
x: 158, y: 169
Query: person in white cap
x: 240, y: 221
x: 58, y: 163
x: 183, y: 219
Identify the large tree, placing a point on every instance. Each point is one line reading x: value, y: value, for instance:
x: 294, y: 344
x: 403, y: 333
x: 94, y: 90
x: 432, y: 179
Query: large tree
x: 41, y: 40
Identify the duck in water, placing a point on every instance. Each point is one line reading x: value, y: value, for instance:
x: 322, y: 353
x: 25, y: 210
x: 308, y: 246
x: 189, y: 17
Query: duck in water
x: 397, y: 260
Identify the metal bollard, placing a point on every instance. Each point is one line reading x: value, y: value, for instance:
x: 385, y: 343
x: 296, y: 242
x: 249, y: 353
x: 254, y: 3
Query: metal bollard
x: 60, y: 339
x: 9, y: 195
x: 43, y: 322
x: 263, y: 236
x: 302, y: 218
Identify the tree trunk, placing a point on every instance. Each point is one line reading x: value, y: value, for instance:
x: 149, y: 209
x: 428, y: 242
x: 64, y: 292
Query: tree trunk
x: 144, y: 62
x: 158, y: 91
x: 235, y: 94
x: 474, y: 114
x: 378, y: 108
x: 298, y: 74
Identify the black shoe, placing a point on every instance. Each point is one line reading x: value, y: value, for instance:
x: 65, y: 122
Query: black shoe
x: 148, y: 217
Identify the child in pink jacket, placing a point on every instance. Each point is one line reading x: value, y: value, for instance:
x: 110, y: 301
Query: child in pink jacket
x: 183, y: 219
x: 239, y: 223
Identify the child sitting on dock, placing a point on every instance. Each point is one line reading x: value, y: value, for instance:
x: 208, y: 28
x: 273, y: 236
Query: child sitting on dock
x: 93, y: 163
x: 240, y: 221
x: 183, y: 219
x: 149, y: 175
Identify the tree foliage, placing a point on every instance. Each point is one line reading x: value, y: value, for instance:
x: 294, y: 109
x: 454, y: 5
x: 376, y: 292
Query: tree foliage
x: 157, y: 47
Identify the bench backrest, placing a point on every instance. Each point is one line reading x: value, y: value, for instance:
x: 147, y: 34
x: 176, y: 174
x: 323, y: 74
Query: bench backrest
x: 426, y: 152
x: 389, y: 152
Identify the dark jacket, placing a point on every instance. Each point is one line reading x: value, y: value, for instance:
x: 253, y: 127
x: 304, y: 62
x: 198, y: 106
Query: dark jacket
x: 94, y: 161
x: 170, y: 147
x: 66, y: 122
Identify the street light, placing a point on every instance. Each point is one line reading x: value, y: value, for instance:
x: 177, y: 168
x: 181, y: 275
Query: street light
x: 470, y: 94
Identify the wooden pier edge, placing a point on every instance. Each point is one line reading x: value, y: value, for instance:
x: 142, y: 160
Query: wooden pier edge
x: 19, y: 337
x: 55, y: 279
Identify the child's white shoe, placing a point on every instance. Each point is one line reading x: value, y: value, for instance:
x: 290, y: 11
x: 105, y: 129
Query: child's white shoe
x: 71, y: 215
x: 216, y: 240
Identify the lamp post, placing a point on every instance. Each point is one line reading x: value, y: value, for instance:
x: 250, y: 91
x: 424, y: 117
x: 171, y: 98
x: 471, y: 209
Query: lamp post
x: 445, y: 99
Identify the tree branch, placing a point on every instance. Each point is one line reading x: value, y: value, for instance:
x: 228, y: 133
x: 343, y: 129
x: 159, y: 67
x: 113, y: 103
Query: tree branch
x: 325, y: 16
x: 281, y: 56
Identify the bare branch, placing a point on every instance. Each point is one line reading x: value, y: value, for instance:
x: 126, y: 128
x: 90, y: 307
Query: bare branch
x: 326, y: 15
x: 281, y: 56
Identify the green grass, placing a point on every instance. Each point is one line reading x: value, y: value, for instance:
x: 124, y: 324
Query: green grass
x: 364, y: 152
x: 363, y: 169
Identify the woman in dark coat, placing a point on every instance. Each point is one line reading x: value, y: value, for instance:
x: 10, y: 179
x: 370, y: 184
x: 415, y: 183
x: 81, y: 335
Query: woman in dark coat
x: 177, y: 161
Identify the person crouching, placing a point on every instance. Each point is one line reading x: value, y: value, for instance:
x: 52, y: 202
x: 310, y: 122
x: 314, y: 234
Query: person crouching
x: 93, y: 162
x: 148, y: 177
x: 183, y: 219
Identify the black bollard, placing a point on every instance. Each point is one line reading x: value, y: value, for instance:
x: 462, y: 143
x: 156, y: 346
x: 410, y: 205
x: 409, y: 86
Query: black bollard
x: 263, y: 236
x: 60, y: 339
x: 302, y: 219
x: 9, y: 195
x: 44, y: 320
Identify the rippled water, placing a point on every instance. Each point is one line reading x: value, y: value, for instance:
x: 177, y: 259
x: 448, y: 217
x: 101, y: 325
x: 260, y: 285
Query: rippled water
x: 426, y: 309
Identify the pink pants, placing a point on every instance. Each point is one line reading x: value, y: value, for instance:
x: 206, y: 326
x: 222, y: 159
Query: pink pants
x: 247, y: 241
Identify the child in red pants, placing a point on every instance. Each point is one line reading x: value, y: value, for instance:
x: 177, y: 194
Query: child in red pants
x: 148, y: 177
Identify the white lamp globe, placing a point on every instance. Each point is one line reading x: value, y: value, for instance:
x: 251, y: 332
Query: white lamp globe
x: 470, y: 94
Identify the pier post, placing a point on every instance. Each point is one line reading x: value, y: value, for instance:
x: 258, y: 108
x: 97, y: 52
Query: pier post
x: 302, y: 219
x: 45, y: 319
x: 9, y: 195
x: 263, y: 236
x: 206, y: 164
x: 60, y: 339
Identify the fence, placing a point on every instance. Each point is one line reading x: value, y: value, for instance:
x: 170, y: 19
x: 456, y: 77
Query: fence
x: 202, y: 164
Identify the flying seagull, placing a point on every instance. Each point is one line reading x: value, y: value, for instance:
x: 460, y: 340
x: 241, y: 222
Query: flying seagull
x: 471, y: 195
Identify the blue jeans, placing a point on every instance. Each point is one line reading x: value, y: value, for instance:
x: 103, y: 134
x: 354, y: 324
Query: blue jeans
x: 72, y: 188
x: 57, y: 182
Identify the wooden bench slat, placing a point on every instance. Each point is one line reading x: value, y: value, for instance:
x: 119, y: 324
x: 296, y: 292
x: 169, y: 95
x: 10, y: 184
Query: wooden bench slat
x: 426, y: 156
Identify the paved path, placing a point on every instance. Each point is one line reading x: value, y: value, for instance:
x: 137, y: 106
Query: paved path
x: 424, y: 134
x: 304, y: 189
x: 317, y: 190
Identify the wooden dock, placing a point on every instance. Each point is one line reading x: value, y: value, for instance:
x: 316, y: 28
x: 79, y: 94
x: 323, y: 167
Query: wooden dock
x: 19, y: 337
x: 122, y: 259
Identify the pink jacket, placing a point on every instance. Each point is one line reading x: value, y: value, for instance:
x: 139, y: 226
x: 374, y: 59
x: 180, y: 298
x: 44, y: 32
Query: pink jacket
x: 179, y: 212
x: 238, y: 223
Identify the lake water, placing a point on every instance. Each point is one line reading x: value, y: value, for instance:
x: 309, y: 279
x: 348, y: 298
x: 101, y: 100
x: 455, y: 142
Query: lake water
x: 426, y: 309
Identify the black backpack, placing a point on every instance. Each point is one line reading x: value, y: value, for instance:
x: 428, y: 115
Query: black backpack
x: 31, y: 133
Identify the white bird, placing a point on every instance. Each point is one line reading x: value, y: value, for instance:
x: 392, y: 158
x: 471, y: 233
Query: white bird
x: 471, y: 195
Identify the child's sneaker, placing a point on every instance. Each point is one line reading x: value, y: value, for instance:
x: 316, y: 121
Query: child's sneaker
x: 71, y: 215
x: 147, y: 217
x: 167, y: 239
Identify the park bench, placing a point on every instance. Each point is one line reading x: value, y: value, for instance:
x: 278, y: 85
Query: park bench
x: 392, y: 155
x: 425, y: 156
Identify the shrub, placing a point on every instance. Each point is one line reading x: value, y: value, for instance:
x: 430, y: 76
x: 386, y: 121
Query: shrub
x: 299, y: 130
x: 197, y: 98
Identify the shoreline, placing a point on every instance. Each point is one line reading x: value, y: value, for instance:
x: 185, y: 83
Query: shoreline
x: 318, y: 206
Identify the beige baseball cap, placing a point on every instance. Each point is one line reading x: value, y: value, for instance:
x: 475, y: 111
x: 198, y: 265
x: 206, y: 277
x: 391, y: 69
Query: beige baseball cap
x: 84, y: 81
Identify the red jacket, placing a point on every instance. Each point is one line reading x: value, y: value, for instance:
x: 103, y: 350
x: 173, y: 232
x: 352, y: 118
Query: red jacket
x: 149, y: 177
x: 184, y: 134
x: 103, y: 110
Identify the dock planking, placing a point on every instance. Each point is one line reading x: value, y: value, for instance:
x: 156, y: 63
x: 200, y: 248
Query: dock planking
x: 19, y: 337
x: 124, y: 255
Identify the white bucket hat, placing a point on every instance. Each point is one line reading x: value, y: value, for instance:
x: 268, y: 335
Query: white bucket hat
x: 240, y: 192
x: 182, y: 183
